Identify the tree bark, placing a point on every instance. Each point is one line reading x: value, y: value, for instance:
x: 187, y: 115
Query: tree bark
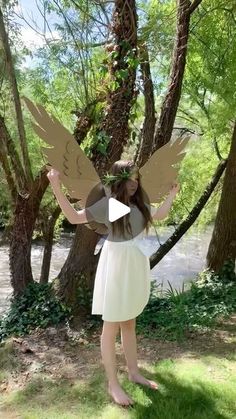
x: 76, y: 278
x: 7, y: 148
x: 148, y: 129
x: 85, y: 119
x: 26, y: 212
x: 222, y: 246
x: 8, y: 174
x: 187, y: 223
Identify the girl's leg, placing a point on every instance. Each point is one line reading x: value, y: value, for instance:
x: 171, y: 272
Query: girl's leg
x: 128, y: 339
x: 108, y: 339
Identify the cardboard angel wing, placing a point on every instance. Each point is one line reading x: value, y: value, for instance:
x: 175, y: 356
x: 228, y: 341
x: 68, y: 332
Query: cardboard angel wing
x: 76, y: 171
x: 158, y: 173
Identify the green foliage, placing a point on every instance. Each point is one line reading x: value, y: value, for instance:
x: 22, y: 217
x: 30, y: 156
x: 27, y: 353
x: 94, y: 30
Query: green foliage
x: 178, y: 313
x: 157, y: 26
x: 122, y: 58
x: 96, y: 140
x: 102, y: 140
x: 37, y: 306
x: 109, y: 179
x: 210, y: 74
x: 84, y: 294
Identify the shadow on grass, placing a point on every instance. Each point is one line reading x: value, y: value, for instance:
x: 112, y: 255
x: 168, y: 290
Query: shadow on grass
x: 175, y: 400
x: 89, y: 399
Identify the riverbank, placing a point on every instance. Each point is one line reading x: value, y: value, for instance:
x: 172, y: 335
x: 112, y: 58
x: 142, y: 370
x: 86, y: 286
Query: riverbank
x: 54, y: 373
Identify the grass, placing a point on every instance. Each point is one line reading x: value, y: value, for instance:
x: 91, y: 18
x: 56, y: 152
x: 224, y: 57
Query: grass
x: 8, y: 361
x: 191, y: 386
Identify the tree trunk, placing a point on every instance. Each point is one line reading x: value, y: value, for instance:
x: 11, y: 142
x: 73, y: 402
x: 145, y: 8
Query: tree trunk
x: 188, y: 222
x: 85, y: 119
x: 8, y: 149
x: 26, y: 212
x: 169, y: 107
x: 15, y: 93
x: 148, y: 129
x: 222, y: 246
x: 79, y: 269
x: 48, y: 230
x: 25, y: 192
x: 76, y: 278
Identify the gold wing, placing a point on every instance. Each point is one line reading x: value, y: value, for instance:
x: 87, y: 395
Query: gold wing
x: 76, y: 171
x: 158, y: 174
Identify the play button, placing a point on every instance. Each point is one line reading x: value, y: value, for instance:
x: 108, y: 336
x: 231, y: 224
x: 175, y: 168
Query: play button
x: 116, y: 209
x: 102, y: 211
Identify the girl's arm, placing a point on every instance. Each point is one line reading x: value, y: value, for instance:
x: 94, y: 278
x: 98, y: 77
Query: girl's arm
x: 163, y: 211
x: 73, y: 216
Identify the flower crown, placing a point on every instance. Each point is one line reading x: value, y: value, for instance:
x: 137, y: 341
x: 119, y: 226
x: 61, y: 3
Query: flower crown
x: 109, y: 179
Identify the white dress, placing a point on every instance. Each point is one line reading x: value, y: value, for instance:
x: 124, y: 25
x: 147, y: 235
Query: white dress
x: 123, y: 276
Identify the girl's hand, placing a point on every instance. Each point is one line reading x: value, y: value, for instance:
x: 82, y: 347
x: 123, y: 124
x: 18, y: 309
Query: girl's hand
x: 175, y: 189
x: 53, y: 176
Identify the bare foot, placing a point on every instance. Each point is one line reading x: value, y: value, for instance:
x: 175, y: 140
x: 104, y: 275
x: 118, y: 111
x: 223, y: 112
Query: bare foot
x: 119, y: 396
x: 138, y: 378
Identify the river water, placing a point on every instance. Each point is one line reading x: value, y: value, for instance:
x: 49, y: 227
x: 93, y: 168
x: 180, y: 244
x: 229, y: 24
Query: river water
x: 179, y: 266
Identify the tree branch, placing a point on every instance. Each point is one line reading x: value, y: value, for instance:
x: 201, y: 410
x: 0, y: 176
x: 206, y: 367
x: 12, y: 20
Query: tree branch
x: 8, y: 174
x: 19, y: 116
x: 148, y: 128
x: 7, y: 147
x: 194, y: 5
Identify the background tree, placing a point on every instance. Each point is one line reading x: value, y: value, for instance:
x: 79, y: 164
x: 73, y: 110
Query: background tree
x: 223, y: 242
x: 26, y: 192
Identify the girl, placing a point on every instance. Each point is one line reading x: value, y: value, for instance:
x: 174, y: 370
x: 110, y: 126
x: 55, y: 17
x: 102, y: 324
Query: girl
x: 122, y: 281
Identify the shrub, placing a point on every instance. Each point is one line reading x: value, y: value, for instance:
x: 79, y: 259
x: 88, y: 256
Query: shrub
x: 211, y: 296
x: 37, y: 306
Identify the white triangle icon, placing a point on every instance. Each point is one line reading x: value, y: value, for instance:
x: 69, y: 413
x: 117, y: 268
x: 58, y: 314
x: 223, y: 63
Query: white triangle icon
x: 116, y: 209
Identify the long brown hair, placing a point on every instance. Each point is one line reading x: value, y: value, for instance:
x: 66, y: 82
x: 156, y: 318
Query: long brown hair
x: 118, y: 188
